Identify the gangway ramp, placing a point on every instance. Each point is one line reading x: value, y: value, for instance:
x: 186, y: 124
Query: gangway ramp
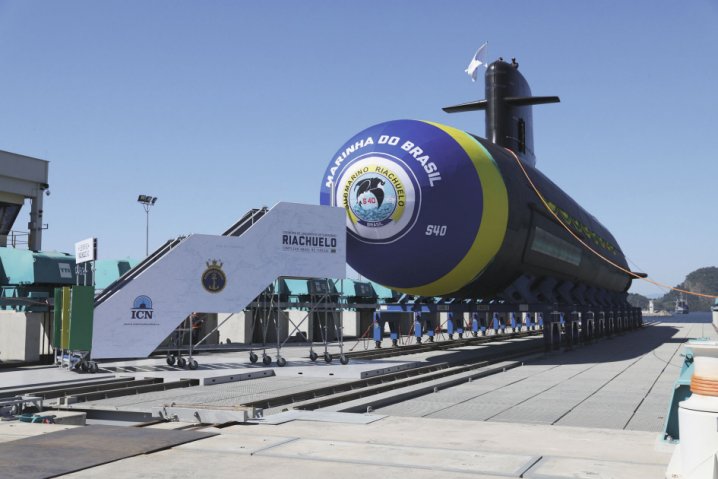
x: 242, y: 225
x: 137, y: 270
x: 216, y: 274
x: 246, y: 221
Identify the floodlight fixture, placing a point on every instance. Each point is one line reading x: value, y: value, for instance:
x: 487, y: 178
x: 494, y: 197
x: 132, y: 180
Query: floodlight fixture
x: 147, y: 202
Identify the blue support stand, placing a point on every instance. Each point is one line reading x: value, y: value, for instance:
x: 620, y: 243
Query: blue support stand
x: 539, y: 320
x: 430, y: 328
x: 529, y: 322
x: 512, y: 319
x: 417, y: 327
x: 378, y: 330
x: 453, y: 326
x: 475, y: 325
x: 460, y: 325
x: 495, y: 323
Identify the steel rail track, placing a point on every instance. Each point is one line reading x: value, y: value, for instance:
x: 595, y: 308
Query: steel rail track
x: 388, y: 381
x: 438, y: 345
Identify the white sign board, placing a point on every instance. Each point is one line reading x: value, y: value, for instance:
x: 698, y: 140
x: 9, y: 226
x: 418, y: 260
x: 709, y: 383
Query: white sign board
x: 219, y: 274
x: 86, y: 250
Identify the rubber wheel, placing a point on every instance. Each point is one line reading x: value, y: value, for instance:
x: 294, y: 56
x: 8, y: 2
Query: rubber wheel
x: 193, y: 364
x: 181, y: 362
x: 253, y: 358
x: 313, y: 356
x: 93, y: 367
x: 281, y: 362
x: 344, y: 359
x: 171, y: 360
x: 266, y: 360
x: 84, y: 367
x: 327, y: 358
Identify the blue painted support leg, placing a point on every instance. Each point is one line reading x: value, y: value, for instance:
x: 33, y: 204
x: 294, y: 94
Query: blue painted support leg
x: 495, y: 324
x: 514, y: 324
x: 450, y: 325
x: 393, y: 333
x: 460, y: 325
x: 417, y: 327
x: 378, y: 328
x: 539, y: 320
x: 529, y: 322
x: 484, y: 323
x: 430, y: 328
x: 475, y: 324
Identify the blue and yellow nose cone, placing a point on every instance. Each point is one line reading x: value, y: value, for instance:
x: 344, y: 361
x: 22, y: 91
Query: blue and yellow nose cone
x: 426, y: 205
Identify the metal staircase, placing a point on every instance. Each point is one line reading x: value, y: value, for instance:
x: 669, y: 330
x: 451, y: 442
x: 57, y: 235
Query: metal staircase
x: 137, y: 270
x: 251, y: 217
x: 242, y: 225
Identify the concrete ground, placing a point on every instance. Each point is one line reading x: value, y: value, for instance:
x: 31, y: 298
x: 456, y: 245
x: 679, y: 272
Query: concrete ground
x: 395, y: 447
x: 594, y: 412
x: 622, y: 383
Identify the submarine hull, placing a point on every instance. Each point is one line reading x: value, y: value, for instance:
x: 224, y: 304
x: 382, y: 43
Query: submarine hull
x: 435, y: 211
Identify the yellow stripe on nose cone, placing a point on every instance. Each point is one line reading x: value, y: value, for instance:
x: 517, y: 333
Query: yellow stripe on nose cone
x: 492, y: 230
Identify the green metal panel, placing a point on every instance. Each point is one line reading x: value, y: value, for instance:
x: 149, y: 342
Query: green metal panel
x: 7, y: 297
x: 109, y: 270
x: 131, y: 263
x: 19, y: 267
x: 345, y: 286
x: 297, y: 286
x: 57, y: 323
x: 16, y: 266
x: 54, y: 268
x: 382, y: 291
x: 65, y: 329
x: 106, y: 272
x: 282, y: 287
x: 81, y: 309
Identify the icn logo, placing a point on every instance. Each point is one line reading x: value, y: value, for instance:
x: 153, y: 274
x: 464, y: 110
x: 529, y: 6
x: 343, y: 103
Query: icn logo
x: 142, y: 308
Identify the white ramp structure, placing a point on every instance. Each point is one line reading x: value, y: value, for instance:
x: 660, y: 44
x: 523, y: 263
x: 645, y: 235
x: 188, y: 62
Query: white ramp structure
x: 216, y: 274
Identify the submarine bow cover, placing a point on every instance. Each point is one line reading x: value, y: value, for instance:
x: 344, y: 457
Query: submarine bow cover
x: 436, y: 189
x: 436, y: 211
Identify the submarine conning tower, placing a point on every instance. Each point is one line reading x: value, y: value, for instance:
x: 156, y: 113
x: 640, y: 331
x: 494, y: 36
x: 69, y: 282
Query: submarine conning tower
x: 508, y: 109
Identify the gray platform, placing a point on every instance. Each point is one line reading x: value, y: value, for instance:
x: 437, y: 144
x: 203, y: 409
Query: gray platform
x: 621, y: 383
x: 65, y: 451
x: 397, y: 447
x: 592, y: 412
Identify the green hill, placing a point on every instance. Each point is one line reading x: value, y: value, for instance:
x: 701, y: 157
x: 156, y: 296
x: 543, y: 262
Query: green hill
x: 702, y: 280
x: 638, y: 300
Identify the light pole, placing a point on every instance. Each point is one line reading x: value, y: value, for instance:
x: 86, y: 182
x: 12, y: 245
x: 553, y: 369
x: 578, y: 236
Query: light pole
x: 147, y: 202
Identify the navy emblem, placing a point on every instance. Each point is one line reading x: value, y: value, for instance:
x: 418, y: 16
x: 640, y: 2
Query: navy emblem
x: 213, y: 279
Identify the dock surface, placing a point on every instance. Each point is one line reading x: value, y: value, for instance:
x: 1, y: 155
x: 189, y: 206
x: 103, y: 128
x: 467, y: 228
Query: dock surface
x: 593, y: 412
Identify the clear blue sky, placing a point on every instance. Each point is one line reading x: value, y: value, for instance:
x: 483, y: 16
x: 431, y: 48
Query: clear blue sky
x: 219, y: 106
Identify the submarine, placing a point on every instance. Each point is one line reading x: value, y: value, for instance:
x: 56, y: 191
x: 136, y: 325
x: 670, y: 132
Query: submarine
x: 434, y: 211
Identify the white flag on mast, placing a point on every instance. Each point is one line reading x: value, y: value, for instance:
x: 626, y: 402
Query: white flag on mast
x: 478, y: 60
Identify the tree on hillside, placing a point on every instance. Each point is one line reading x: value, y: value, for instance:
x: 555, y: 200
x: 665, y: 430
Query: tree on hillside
x: 638, y: 300
x: 702, y: 280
